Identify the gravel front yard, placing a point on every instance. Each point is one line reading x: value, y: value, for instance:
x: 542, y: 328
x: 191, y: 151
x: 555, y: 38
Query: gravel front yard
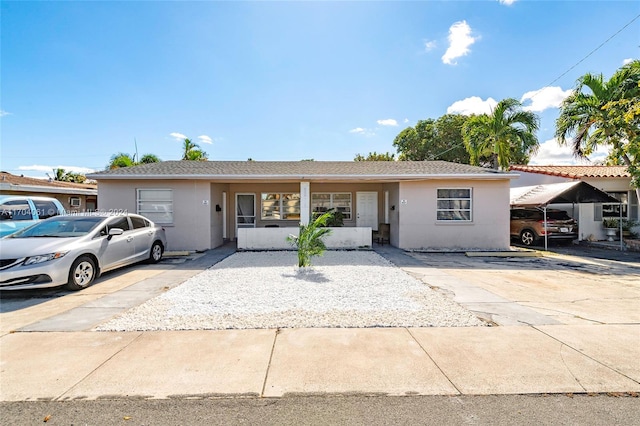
x: 266, y: 290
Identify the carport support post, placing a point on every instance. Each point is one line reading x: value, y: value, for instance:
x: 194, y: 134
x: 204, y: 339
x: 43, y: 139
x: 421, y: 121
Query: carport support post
x: 546, y: 238
x: 620, y: 226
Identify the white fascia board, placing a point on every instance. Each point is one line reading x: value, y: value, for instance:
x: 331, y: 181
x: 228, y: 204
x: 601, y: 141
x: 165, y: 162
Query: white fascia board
x: 478, y: 176
x: 48, y: 190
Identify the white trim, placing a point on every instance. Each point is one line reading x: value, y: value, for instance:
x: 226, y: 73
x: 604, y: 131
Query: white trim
x: 452, y: 221
x: 305, y: 203
x: 386, y: 206
x: 312, y: 178
x: 224, y: 215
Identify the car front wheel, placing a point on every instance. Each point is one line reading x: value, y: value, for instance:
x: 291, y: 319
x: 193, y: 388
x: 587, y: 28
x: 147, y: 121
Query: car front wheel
x: 156, y: 253
x: 527, y: 237
x: 82, y: 273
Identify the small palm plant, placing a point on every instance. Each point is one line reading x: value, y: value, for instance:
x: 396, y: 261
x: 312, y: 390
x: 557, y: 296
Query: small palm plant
x: 309, y: 241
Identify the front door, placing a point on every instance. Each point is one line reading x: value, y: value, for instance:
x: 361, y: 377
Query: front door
x: 245, y: 210
x: 367, y: 209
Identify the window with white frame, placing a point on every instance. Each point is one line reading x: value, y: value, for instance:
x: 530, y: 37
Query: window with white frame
x: 454, y: 204
x: 280, y: 206
x: 156, y: 204
x: 324, y: 201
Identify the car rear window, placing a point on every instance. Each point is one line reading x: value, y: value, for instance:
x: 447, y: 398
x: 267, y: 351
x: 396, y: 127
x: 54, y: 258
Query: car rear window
x: 46, y: 209
x: 562, y: 215
x: 138, y: 222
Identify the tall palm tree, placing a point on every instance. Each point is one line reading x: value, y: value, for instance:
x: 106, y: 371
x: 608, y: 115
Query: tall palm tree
x: 192, y: 151
x: 592, y: 116
x: 505, y: 135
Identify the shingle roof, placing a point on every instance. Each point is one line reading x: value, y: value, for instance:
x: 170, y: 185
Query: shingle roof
x: 295, y: 170
x: 576, y: 172
x: 8, y: 178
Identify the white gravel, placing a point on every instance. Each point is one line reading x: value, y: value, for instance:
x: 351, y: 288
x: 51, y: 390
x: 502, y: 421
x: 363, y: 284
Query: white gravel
x: 267, y: 290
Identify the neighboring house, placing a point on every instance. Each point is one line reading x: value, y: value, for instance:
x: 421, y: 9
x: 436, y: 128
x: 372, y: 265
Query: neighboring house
x: 75, y: 197
x: 428, y: 204
x: 614, y: 180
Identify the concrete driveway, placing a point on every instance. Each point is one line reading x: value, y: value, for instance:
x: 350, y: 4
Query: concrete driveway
x: 566, y: 289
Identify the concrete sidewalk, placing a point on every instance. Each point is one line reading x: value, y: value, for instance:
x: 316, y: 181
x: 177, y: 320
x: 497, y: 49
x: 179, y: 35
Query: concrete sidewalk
x: 47, y: 352
x: 270, y: 363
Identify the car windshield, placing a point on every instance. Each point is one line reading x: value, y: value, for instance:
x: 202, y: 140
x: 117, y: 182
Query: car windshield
x: 60, y: 227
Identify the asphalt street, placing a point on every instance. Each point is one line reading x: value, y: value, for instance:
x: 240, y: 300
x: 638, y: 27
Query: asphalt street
x: 371, y: 410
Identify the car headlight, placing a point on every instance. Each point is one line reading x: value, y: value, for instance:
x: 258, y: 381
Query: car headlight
x: 44, y: 258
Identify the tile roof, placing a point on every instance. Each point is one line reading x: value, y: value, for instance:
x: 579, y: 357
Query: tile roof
x: 576, y: 172
x: 15, y: 180
x: 294, y: 170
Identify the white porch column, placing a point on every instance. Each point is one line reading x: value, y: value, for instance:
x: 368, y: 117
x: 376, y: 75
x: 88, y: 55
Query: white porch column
x: 305, y: 203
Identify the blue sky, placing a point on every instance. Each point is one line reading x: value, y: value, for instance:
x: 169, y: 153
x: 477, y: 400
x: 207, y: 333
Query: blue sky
x: 81, y: 81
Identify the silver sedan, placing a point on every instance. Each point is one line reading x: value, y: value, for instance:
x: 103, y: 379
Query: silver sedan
x: 76, y: 249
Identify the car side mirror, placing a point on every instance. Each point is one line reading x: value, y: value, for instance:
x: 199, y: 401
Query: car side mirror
x: 114, y: 231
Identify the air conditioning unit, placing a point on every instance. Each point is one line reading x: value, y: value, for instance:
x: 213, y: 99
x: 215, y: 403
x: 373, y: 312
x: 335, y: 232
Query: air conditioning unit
x: 74, y: 201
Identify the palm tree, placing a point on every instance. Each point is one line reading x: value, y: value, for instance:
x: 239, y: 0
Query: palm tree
x: 149, y: 158
x: 121, y: 159
x: 192, y: 151
x: 594, y: 115
x: 60, y: 175
x: 505, y: 135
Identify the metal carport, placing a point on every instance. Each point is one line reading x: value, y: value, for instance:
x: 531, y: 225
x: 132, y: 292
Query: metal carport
x: 574, y: 192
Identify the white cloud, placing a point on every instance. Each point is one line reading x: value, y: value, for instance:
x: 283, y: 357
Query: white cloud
x: 459, y: 41
x: 178, y: 136
x: 3, y: 113
x: 363, y: 132
x: 205, y: 139
x: 49, y: 169
x: 430, y: 45
x: 545, y: 98
x: 472, y: 105
x: 552, y: 154
x: 627, y: 61
x: 507, y: 2
x: 406, y: 120
x: 387, y: 122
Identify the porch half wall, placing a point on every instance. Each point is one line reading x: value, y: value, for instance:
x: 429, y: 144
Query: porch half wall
x: 276, y: 238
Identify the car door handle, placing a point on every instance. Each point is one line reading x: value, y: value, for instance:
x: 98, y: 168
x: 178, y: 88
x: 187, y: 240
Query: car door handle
x: 129, y: 239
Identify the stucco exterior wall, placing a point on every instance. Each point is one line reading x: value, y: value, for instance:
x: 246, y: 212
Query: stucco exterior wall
x: 488, y: 229
x: 192, y: 206
x: 198, y: 225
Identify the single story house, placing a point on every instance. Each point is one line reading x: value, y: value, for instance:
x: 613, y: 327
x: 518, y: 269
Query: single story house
x: 614, y: 180
x: 428, y: 204
x: 75, y: 197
